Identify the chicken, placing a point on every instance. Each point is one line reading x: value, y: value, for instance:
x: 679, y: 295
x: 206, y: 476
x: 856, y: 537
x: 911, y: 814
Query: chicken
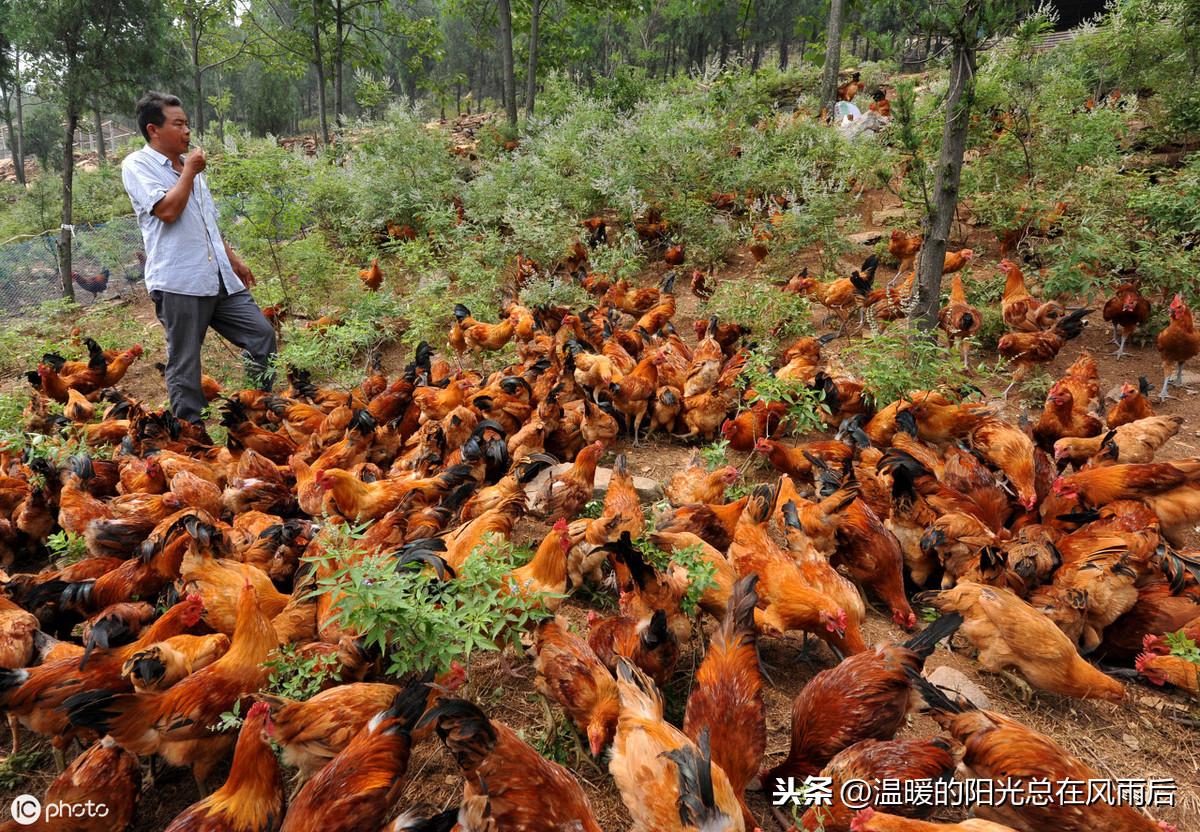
x: 176, y: 723
x: 1025, y: 349
x: 1178, y: 343
x: 78, y: 409
x: 1169, y: 488
x: 1012, y: 452
x: 1132, y: 442
x: 622, y: 512
x: 162, y: 664
x: 955, y: 260
x: 1062, y: 417
x: 783, y: 584
x: 569, y: 673
x: 245, y: 434
x: 17, y: 628
x: 958, y: 319
x: 1009, y: 633
x: 525, y: 791
x: 726, y: 699
x: 674, y: 255
x: 564, y: 495
x: 371, y: 277
x: 632, y: 393
x: 314, y: 731
x: 744, y: 430
x: 868, y: 820
x: 104, y: 775
x: 876, y: 761
x: 645, y: 764
x: 1020, y: 310
x: 478, y: 336
x: 94, y: 283
x: 252, y: 797
x: 1126, y: 310
x: 358, y: 788
x: 851, y: 88
x: 998, y: 748
x: 1161, y: 666
x: 696, y: 484
x: 904, y: 248
x: 647, y: 641
x: 1132, y: 404
x: 359, y: 501
x: 866, y: 696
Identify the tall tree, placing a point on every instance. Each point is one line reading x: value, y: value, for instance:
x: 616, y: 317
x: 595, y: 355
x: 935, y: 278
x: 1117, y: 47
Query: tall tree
x: 10, y: 90
x: 535, y: 15
x: 209, y: 41
x: 967, y: 24
x: 81, y: 48
x: 833, y: 54
x: 507, y: 75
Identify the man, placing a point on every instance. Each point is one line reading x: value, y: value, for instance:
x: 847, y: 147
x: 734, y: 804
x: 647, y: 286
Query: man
x: 193, y: 276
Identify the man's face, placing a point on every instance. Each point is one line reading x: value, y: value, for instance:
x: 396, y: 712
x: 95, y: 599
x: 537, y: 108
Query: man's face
x: 174, y: 134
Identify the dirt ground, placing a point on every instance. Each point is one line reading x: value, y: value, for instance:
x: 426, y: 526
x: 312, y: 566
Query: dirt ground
x: 1151, y: 735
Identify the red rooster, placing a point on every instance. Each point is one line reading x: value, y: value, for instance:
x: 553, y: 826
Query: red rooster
x: 95, y: 284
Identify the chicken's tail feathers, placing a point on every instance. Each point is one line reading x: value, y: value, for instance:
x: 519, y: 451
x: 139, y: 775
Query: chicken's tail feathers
x: 924, y: 642
x: 447, y: 821
x: 95, y: 709
x: 461, y: 312
x: 934, y: 697
x: 10, y: 679
x: 1072, y: 325
x: 464, y: 729
x: 697, y: 801
x: 409, y: 705
x: 532, y: 465
x: 739, y: 614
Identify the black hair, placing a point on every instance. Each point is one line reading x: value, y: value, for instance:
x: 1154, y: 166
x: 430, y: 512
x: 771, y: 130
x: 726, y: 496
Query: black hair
x: 150, y: 110
x: 879, y: 95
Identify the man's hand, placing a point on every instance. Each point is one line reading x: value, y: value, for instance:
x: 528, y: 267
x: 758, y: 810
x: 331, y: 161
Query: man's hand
x: 196, y: 161
x: 242, y: 271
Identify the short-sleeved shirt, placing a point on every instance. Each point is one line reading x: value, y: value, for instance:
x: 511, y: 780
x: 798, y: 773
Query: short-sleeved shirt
x: 187, y: 256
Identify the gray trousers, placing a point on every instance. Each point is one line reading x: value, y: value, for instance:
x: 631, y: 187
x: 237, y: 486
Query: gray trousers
x: 186, y: 319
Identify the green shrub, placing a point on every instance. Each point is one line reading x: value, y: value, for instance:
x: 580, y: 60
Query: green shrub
x: 892, y: 363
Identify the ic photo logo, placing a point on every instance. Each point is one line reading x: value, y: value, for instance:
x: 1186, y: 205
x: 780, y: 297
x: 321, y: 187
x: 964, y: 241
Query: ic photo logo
x: 28, y: 810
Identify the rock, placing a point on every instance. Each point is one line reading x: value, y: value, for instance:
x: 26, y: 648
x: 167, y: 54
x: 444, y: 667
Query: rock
x: 948, y: 678
x: 649, y: 491
x: 890, y: 215
x: 866, y: 238
x: 1131, y: 741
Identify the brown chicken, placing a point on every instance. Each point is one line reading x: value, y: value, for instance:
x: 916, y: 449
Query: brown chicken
x: 103, y: 775
x: 1026, y: 349
x: 726, y: 698
x: 866, y: 696
x: 876, y: 761
x: 1178, y: 343
x: 1161, y: 667
x: 958, y: 319
x: 696, y: 484
x: 359, y: 501
x: 564, y: 495
x: 176, y: 723
x: 998, y: 748
x: 358, y: 788
x: 1168, y: 488
x: 783, y: 585
x: 1126, y: 310
x: 1020, y: 310
x: 868, y: 820
x: 1009, y: 633
x: 1132, y: 442
x: 904, y: 248
x: 744, y: 430
x: 1011, y: 451
x: 648, y: 642
x: 1132, y: 404
x: 525, y: 791
x: 645, y: 764
x: 569, y: 673
x: 632, y: 393
x: 1063, y: 417
x: 371, y: 277
x: 622, y: 510
x: 252, y: 796
x: 478, y: 336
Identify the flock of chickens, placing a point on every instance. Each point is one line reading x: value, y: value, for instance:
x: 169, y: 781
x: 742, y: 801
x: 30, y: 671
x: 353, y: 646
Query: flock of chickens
x: 202, y: 562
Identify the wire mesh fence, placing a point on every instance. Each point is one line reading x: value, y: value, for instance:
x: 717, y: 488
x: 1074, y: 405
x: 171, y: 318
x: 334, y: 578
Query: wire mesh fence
x: 107, y: 260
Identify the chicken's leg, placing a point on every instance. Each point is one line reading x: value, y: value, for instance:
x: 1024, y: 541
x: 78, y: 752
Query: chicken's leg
x: 966, y: 352
x: 1120, y: 353
x: 1024, y: 691
x: 1163, y: 395
x: 1114, y: 340
x: 14, y: 726
x: 1179, y: 378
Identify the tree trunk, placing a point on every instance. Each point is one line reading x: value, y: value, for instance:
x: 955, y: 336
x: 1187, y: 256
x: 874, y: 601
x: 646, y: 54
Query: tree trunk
x: 99, y: 124
x: 945, y: 186
x: 507, y: 76
x: 319, y: 63
x: 833, y: 54
x: 197, y: 76
x: 783, y: 52
x: 535, y: 14
x: 68, y: 173
x: 19, y: 145
x: 339, y: 106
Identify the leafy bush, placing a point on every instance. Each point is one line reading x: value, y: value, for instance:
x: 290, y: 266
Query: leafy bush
x: 700, y: 573
x: 773, y: 317
x: 806, y: 408
x: 420, y: 622
x: 66, y: 548
x: 892, y: 363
